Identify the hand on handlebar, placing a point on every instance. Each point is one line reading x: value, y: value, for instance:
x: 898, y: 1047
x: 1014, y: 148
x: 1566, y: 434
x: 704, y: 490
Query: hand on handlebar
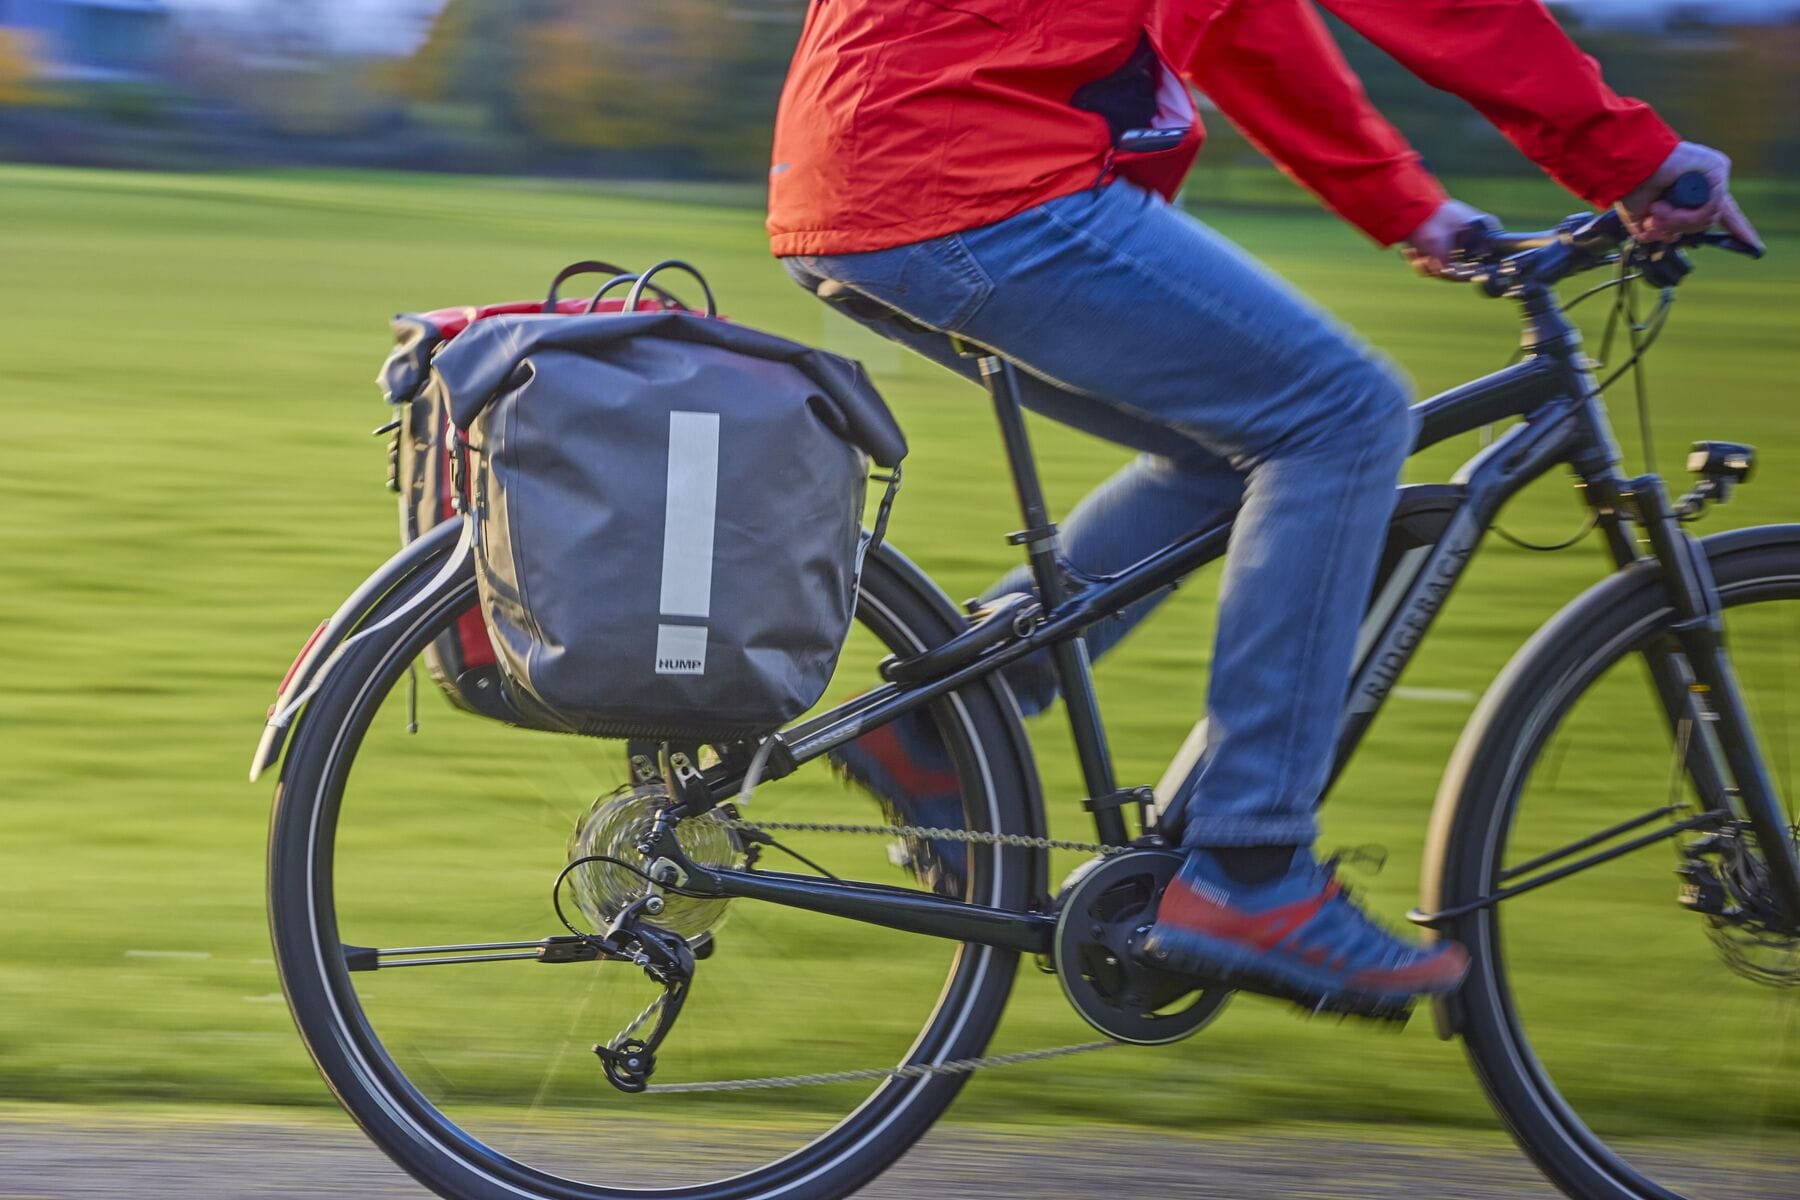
x: 1430, y: 247
x: 1653, y: 211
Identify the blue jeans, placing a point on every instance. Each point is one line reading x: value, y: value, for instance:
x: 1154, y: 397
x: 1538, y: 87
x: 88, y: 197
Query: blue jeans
x: 1133, y: 322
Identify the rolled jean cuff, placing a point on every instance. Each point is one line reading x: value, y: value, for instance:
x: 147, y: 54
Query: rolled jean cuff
x: 1248, y: 829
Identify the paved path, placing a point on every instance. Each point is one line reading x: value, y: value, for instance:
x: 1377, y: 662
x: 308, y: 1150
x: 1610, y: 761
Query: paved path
x: 137, y: 1161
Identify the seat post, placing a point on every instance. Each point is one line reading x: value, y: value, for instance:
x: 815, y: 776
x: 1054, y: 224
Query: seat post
x: 1074, y: 672
x: 1039, y: 537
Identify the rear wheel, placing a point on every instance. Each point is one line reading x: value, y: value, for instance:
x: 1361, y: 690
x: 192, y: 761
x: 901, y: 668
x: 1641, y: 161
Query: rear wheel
x: 1637, y: 1047
x: 480, y: 1078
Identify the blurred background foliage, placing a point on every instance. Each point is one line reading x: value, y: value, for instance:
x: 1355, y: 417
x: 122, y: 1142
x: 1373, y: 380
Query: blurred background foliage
x: 211, y: 340
x: 681, y: 89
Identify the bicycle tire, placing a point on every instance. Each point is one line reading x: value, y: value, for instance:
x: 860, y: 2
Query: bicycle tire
x: 1501, y: 744
x: 427, y: 1144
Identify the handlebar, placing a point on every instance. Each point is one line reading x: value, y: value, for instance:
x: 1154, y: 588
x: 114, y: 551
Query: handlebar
x: 1502, y: 263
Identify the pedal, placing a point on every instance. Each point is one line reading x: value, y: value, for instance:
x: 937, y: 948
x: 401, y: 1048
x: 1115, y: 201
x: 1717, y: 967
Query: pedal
x: 1310, y: 1003
x: 1389, y: 1012
x: 1340, y: 1004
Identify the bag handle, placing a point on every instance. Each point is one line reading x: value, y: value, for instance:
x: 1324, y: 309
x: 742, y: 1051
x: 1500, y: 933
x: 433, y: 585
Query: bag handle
x: 667, y: 296
x: 670, y: 264
x: 588, y: 267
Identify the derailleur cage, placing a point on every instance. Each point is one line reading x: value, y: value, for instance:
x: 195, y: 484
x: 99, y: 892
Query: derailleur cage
x: 666, y: 959
x: 628, y: 1066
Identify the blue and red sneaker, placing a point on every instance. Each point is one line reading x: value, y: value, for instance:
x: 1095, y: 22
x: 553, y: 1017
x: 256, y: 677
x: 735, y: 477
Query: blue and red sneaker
x: 1299, y: 936
x: 905, y: 766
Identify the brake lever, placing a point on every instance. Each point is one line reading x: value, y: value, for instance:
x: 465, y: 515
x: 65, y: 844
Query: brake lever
x: 1725, y: 241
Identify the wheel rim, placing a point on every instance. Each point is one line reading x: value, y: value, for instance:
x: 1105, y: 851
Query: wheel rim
x: 524, y: 1115
x: 1650, y: 1059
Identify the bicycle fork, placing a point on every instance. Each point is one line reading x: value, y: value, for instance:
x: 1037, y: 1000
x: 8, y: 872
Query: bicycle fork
x: 1700, y: 691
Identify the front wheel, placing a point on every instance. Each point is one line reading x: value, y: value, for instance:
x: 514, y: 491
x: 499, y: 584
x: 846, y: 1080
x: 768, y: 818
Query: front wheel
x: 1640, y: 1039
x: 480, y: 1077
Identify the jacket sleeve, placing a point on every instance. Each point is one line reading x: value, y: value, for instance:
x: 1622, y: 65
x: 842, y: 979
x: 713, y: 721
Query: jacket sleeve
x: 1513, y: 62
x: 1272, y: 67
x: 1274, y: 70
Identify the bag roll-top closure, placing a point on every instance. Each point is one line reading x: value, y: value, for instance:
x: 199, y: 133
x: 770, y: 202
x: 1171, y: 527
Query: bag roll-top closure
x: 409, y: 365
x: 479, y: 365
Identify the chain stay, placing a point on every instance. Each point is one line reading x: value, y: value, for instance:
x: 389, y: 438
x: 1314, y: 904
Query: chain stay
x: 961, y: 1066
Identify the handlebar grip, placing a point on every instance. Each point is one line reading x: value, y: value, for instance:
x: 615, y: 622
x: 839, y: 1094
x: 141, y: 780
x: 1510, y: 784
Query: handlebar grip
x: 1476, y: 239
x: 1690, y: 190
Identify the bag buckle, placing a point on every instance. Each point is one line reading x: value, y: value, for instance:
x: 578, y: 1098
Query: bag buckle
x: 879, y: 534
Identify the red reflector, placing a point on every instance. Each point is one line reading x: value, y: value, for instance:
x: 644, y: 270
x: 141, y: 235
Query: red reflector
x: 301, y: 657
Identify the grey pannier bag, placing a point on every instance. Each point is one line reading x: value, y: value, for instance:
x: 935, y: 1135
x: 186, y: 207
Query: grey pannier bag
x: 667, y: 515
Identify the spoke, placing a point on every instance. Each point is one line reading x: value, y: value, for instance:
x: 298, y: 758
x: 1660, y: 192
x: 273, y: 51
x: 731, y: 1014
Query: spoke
x: 547, y: 950
x: 1589, y: 842
x: 1702, y: 821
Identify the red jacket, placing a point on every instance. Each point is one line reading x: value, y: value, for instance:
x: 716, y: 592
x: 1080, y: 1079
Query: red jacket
x: 904, y: 120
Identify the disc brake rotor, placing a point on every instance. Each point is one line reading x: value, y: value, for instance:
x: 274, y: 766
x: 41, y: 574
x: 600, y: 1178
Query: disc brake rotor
x: 1723, y: 878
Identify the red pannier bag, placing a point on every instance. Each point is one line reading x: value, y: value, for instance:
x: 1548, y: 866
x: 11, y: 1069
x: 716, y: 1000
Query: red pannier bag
x: 462, y: 660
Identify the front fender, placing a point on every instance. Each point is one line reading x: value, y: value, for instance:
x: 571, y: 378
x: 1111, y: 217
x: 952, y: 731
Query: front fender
x: 1474, y: 761
x: 443, y: 558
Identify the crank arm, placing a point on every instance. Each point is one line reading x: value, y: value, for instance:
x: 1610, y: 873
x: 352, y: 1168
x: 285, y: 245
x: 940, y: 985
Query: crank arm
x: 564, y: 949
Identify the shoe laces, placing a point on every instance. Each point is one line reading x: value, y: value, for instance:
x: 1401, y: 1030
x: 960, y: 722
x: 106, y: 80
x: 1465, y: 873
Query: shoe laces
x: 1372, y: 857
x: 1359, y: 932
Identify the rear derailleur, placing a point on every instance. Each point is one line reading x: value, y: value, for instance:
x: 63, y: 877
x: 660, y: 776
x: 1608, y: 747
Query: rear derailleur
x: 666, y: 958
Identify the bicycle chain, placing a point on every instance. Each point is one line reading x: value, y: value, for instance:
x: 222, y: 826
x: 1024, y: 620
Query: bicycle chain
x: 961, y: 1066
x: 922, y: 833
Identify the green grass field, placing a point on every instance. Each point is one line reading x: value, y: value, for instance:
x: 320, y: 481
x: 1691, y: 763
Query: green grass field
x: 187, y: 364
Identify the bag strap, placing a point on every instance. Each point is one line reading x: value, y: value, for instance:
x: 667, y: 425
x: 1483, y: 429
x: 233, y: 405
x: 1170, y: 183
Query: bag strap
x: 667, y: 296
x: 587, y: 267
x: 670, y: 264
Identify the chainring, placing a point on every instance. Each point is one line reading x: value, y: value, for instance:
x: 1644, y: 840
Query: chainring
x: 1104, y: 909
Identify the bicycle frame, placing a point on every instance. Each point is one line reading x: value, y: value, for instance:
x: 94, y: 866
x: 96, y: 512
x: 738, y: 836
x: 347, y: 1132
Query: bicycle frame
x: 1555, y: 392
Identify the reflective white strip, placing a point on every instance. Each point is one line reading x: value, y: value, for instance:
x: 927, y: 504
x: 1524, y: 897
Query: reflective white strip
x: 1447, y: 695
x: 691, y: 513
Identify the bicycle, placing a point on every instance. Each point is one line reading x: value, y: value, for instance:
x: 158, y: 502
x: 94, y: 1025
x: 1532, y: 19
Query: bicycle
x: 475, y: 1106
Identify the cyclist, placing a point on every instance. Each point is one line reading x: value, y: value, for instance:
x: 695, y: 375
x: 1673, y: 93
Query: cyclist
x: 1001, y: 171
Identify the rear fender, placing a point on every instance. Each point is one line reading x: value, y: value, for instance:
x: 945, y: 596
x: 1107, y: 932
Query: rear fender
x: 444, y: 557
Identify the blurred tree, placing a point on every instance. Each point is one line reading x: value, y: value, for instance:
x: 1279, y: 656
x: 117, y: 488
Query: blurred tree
x: 19, y: 70
x: 469, y: 59
x: 679, y: 88
x: 622, y: 76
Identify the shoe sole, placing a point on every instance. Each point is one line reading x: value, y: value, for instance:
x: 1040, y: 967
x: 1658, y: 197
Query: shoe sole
x: 1225, y: 965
